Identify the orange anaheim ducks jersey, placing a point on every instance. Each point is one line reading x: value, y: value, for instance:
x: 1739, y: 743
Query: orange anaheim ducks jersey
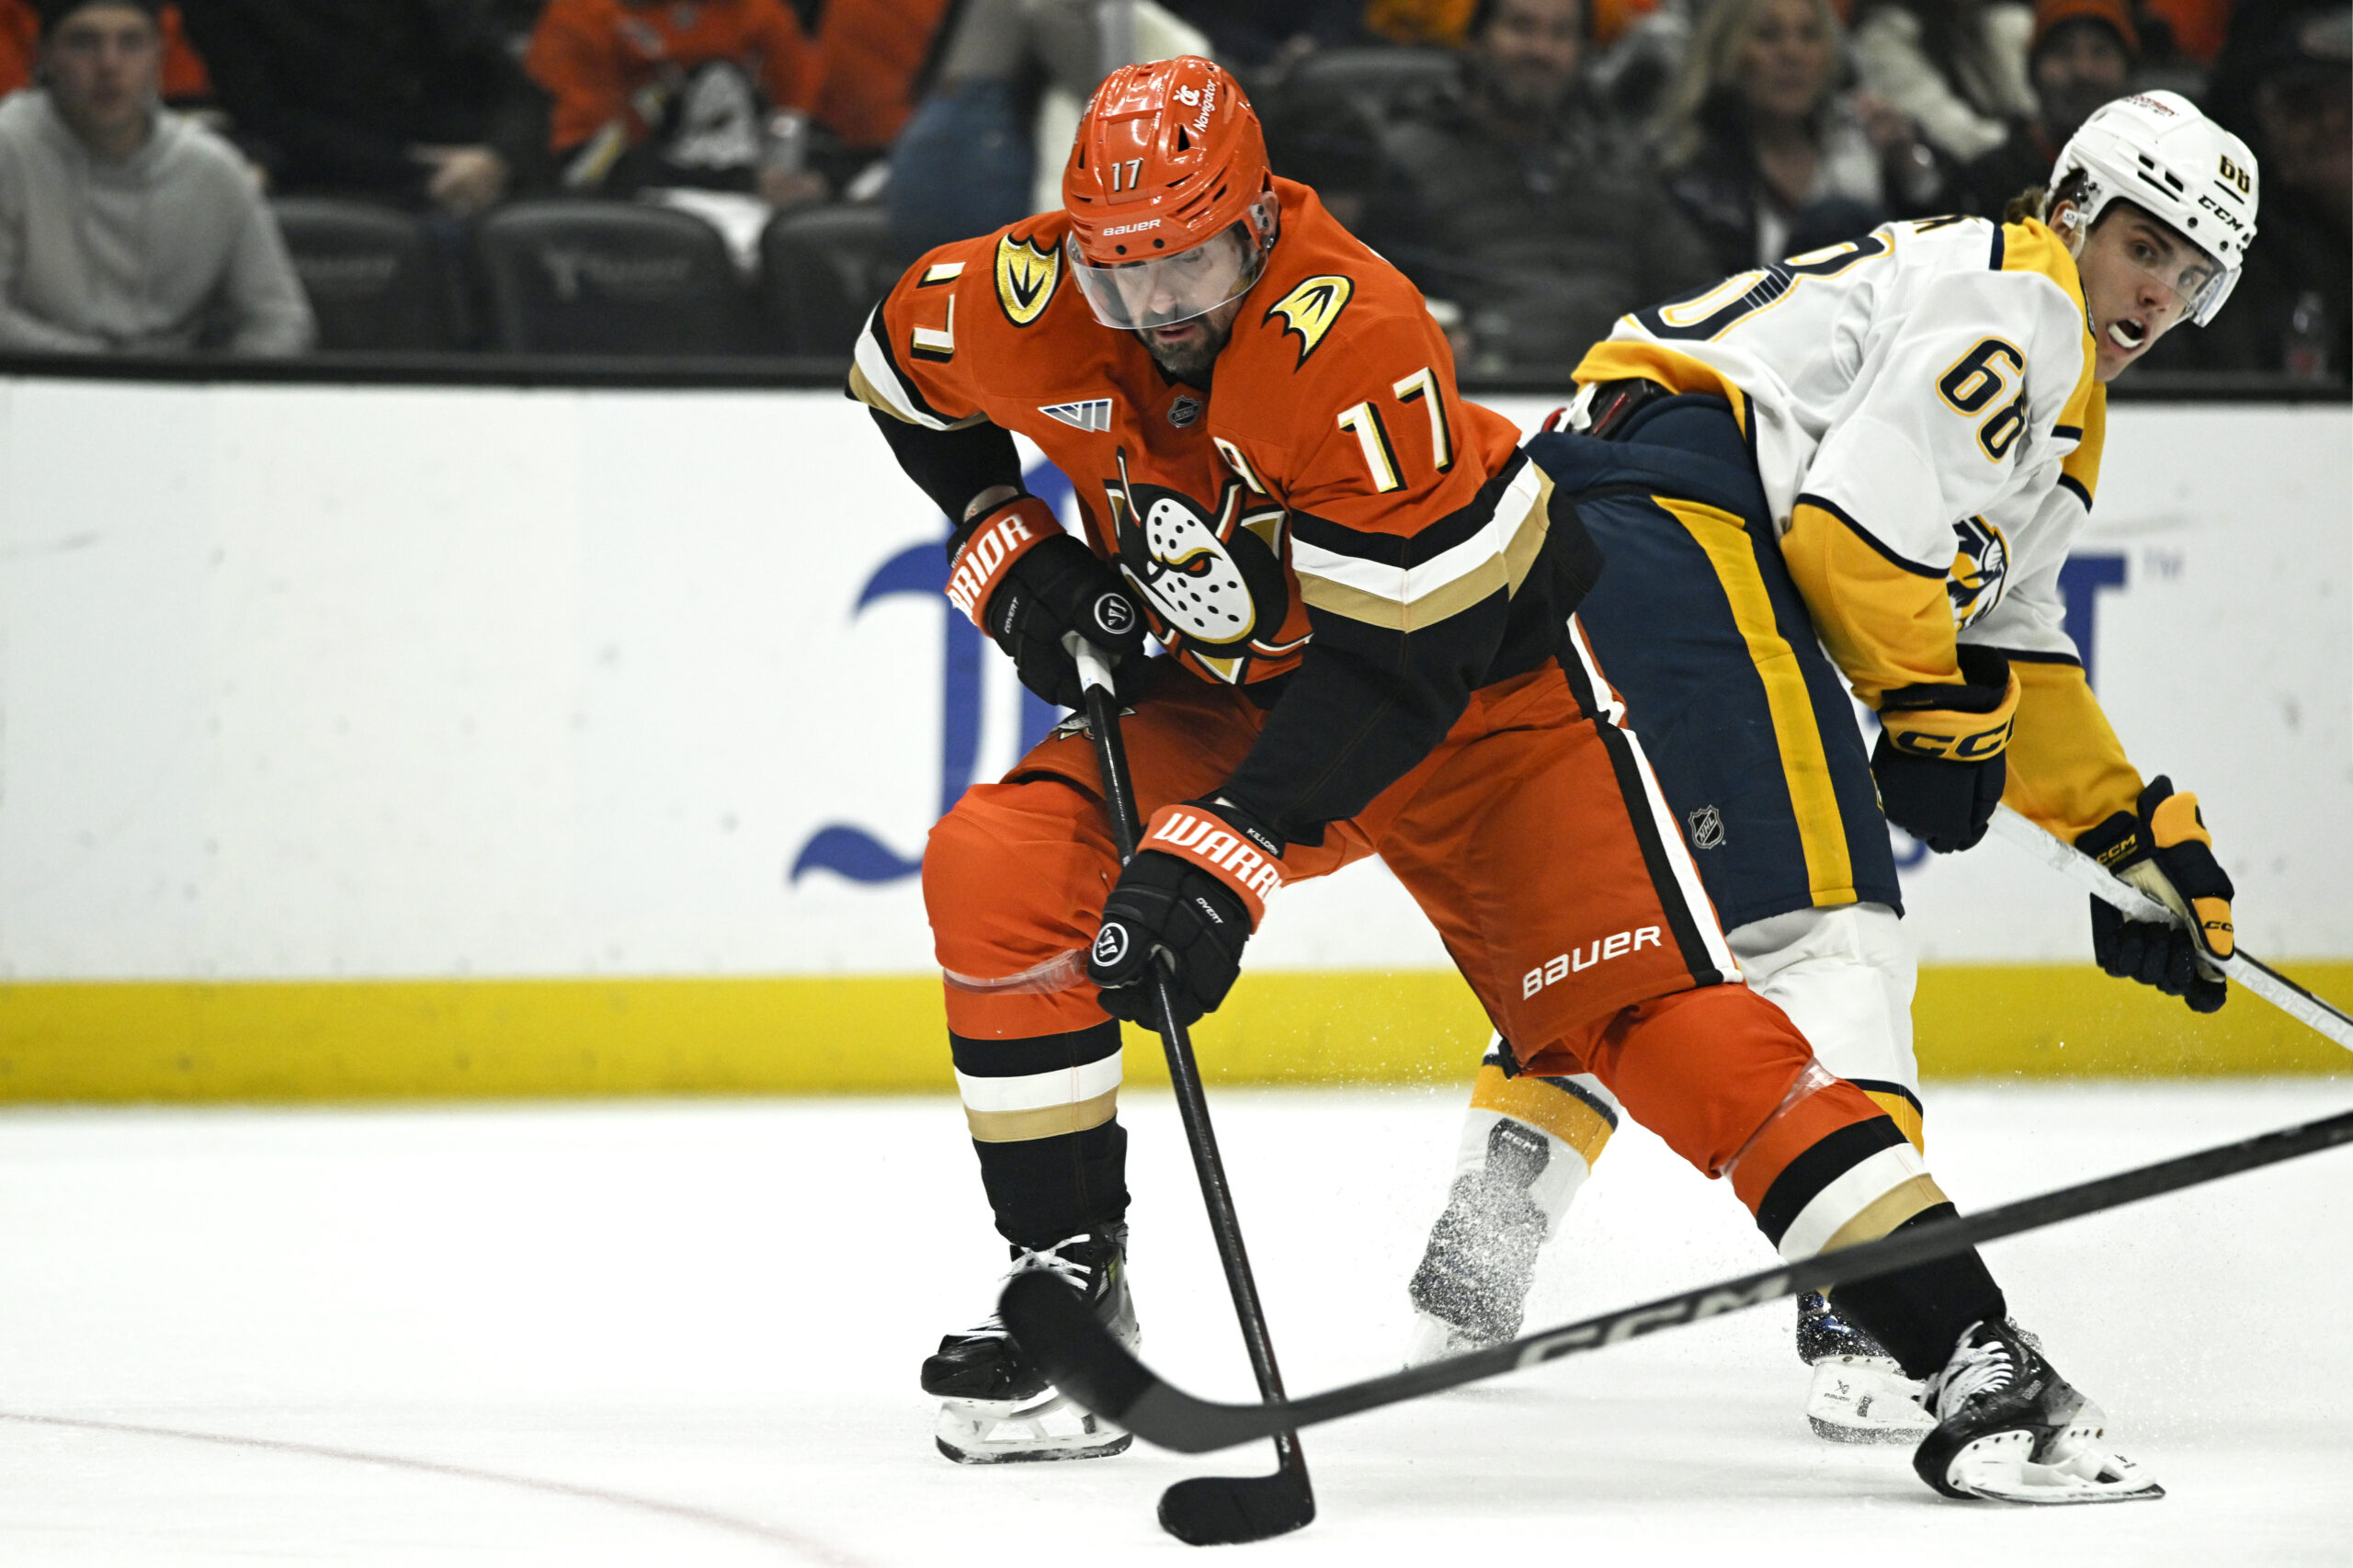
x: 1330, y: 492
x: 593, y: 56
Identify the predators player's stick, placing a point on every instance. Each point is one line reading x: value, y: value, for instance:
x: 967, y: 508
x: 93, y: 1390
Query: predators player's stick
x: 2241, y: 967
x: 1207, y: 1510
x: 1088, y: 1365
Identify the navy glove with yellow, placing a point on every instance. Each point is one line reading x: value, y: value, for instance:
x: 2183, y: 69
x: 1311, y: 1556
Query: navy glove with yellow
x: 2161, y: 847
x: 1939, y: 762
x: 1195, y: 891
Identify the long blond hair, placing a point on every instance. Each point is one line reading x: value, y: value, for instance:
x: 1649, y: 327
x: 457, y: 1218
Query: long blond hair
x: 1708, y: 89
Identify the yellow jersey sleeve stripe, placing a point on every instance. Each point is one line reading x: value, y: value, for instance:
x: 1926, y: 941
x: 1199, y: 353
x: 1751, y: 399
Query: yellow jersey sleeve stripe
x: 2067, y: 770
x: 2079, y: 469
x: 1822, y: 830
x: 1886, y: 623
x: 2035, y: 246
x: 1621, y: 359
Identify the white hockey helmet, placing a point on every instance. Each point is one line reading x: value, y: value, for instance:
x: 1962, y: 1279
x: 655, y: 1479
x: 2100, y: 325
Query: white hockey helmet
x: 2158, y: 151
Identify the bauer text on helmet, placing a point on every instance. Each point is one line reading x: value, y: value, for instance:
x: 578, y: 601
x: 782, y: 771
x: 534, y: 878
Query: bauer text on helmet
x: 1171, y: 208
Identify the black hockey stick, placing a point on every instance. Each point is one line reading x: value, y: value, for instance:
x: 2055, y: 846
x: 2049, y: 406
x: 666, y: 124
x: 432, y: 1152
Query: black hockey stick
x: 1206, y: 1510
x: 1085, y: 1363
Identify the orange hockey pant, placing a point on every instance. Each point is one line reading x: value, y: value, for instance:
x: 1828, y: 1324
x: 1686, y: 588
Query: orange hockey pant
x: 1532, y: 836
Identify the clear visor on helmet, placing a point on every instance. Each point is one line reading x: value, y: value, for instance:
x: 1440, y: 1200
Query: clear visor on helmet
x: 2190, y: 283
x: 1166, y: 290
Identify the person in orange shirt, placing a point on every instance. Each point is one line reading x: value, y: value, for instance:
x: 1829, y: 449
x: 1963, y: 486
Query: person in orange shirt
x: 711, y: 93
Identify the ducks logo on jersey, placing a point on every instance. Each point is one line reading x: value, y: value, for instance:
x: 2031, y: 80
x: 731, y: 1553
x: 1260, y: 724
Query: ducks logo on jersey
x: 1981, y: 569
x: 1214, y: 583
x: 1026, y: 276
x: 1310, y: 309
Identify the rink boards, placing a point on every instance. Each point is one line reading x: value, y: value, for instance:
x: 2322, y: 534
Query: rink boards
x: 427, y: 742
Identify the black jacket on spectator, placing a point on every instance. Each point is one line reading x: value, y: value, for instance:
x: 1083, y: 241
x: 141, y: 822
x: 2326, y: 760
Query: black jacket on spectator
x: 1544, y: 242
x: 1984, y: 185
x: 329, y: 95
x: 1720, y: 191
x: 2299, y: 263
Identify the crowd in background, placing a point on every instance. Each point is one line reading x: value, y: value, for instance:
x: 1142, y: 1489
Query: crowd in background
x: 1536, y: 166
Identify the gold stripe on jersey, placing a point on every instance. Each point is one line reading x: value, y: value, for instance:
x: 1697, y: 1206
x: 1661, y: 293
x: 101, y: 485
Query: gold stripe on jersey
x: 1822, y: 830
x: 1902, y: 1111
x: 1886, y: 624
x: 2034, y: 246
x: 1408, y: 598
x: 1543, y: 1107
x: 1048, y: 1122
x: 2067, y: 770
x: 1630, y: 359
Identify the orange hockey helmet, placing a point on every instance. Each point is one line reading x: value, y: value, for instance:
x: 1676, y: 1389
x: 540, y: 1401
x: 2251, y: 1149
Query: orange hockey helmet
x: 1172, y: 211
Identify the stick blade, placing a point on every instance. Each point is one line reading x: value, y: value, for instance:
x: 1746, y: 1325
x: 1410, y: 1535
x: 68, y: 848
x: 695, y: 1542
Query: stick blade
x: 1054, y: 1326
x: 1227, y: 1510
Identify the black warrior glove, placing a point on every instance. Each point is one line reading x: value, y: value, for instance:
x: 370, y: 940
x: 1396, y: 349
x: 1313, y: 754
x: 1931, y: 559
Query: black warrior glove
x: 1188, y: 901
x: 1939, y: 762
x: 2163, y: 848
x: 1028, y: 583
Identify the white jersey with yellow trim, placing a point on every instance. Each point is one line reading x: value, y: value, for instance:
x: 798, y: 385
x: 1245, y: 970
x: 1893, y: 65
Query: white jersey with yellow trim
x: 1930, y: 385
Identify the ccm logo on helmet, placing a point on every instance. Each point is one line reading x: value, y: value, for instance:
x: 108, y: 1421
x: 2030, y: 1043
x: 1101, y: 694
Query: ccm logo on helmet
x: 1578, y: 960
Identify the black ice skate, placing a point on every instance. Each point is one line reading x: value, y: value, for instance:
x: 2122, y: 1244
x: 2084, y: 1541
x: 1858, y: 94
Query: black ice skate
x: 1471, y: 1287
x: 996, y: 1408
x: 2010, y: 1428
x: 1858, y: 1393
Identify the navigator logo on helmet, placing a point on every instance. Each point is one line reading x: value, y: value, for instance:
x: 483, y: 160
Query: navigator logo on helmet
x: 1171, y: 209
x: 2156, y: 150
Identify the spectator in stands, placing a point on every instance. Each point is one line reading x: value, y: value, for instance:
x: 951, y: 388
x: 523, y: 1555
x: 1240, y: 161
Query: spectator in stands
x: 968, y: 160
x: 124, y: 226
x: 414, y: 101
x: 2084, y: 54
x: 1956, y: 68
x: 651, y: 92
x: 872, y: 51
x: 1519, y: 202
x: 184, y: 78
x: 2292, y: 311
x: 1764, y: 153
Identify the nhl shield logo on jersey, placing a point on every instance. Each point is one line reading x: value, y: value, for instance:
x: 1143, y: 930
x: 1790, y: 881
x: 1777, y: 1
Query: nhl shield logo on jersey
x: 1026, y: 276
x: 1981, y: 569
x: 1215, y: 585
x: 1707, y: 828
x: 1310, y: 309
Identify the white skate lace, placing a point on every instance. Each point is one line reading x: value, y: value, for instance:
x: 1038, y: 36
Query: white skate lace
x: 1975, y: 1369
x: 1030, y: 1260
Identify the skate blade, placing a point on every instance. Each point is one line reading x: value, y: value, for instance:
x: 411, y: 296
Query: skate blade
x: 2000, y: 1469
x: 985, y: 1431
x: 1864, y: 1399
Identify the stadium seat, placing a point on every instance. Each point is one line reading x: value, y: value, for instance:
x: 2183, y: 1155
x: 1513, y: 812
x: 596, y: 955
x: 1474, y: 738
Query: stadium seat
x: 821, y: 269
x: 612, y: 278
x: 376, y: 280
x: 1372, y: 74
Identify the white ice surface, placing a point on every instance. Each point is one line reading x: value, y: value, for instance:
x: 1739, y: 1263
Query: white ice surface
x: 688, y: 1334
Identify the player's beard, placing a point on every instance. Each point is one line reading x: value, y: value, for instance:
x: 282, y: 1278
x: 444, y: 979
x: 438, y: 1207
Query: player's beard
x: 1194, y: 362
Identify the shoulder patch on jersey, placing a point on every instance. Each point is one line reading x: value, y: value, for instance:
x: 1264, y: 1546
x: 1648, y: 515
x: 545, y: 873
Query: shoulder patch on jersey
x: 1311, y: 308
x: 1092, y: 413
x: 1026, y: 277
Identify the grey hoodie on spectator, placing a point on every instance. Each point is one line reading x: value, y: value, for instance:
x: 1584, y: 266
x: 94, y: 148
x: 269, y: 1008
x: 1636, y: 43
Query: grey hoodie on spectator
x: 172, y: 249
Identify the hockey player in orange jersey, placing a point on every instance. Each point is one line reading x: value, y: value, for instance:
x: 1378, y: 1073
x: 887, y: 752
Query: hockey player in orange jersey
x: 1365, y: 590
